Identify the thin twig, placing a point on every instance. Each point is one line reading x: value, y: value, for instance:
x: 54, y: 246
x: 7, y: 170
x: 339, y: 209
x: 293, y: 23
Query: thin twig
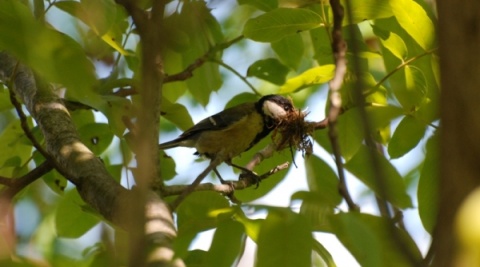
x: 16, y: 185
x: 23, y: 118
x: 188, y: 71
x: 243, y: 78
x: 339, y: 48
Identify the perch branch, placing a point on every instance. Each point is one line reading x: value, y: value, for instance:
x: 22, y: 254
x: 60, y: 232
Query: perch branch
x: 226, y: 188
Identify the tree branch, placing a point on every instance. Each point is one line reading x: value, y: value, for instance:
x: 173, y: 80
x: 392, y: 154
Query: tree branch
x: 339, y: 48
x: 229, y: 187
x: 78, y: 164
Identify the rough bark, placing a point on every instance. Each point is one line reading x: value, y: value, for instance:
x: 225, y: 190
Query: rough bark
x: 81, y: 167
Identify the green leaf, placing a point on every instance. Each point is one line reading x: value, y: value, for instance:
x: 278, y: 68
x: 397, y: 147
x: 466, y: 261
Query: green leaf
x: 167, y: 166
x: 241, y: 98
x: 197, y: 213
x: 204, y: 31
x: 315, y: 209
x: 50, y: 53
x: 414, y: 19
x: 71, y: 221
x: 321, y: 46
x: 391, y: 185
x: 227, y: 244
x: 264, y: 5
x: 96, y: 136
x: 393, y: 42
x: 285, y: 240
x: 369, y: 239
x: 324, y: 254
x: 177, y: 114
x: 322, y: 180
x: 314, y: 76
x: 116, y: 109
x: 14, y: 151
x: 269, y: 69
x: 380, y: 119
x: 278, y: 23
x: 350, y: 133
x: 55, y: 181
x: 428, y: 185
x: 252, y: 226
x: 414, y: 91
x: 289, y: 50
x: 407, y: 135
x: 367, y: 10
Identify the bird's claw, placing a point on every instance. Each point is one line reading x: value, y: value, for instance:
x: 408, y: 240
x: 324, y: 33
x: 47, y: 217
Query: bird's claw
x: 251, y: 177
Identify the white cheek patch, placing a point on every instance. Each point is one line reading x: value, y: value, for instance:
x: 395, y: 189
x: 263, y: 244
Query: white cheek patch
x: 273, y: 110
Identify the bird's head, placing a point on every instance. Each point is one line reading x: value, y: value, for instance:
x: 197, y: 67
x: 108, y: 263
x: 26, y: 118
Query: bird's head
x: 275, y: 107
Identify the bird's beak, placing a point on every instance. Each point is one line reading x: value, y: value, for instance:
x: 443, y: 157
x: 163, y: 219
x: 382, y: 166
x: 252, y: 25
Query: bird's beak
x: 273, y: 110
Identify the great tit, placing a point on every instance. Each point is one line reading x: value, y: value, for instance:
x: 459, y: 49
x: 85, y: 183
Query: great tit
x: 226, y: 134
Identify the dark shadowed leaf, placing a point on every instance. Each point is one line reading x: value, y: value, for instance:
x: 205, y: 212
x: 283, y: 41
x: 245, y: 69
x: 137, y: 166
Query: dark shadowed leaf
x: 391, y: 185
x: 227, y: 244
x: 269, y: 69
x: 370, y: 240
x: 285, y: 240
x: 407, y: 135
x: 290, y: 50
x: 70, y: 219
x: 428, y: 184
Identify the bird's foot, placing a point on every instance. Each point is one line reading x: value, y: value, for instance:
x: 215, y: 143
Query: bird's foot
x: 251, y: 177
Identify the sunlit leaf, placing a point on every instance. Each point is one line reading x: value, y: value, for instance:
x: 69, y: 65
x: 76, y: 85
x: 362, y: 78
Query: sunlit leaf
x: 391, y: 184
x: 285, y: 240
x: 269, y: 69
x: 70, y: 219
x: 314, y: 76
x: 393, y: 42
x: 407, y: 135
x: 278, y: 23
x: 413, y: 93
x: 414, y: 19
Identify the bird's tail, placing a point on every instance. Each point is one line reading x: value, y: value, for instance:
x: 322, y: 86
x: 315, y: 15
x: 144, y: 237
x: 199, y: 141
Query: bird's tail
x: 181, y: 141
x: 169, y: 144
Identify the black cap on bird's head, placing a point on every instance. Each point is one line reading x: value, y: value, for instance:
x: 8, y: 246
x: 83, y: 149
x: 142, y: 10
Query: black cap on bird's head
x: 274, y: 106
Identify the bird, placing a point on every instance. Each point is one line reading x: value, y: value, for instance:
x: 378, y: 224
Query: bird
x: 234, y: 130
